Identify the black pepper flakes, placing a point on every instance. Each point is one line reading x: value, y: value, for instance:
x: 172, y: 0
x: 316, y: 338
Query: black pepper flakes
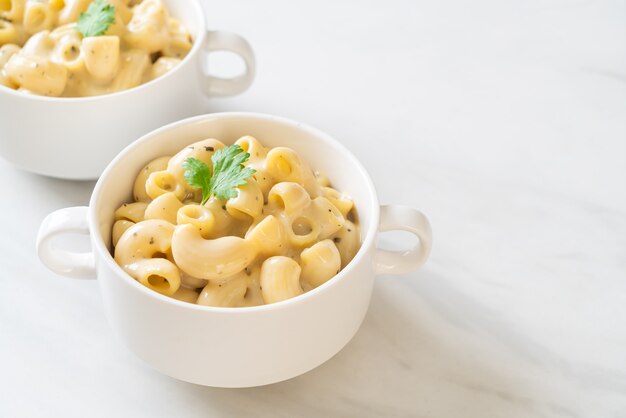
x: 337, y: 240
x: 209, y: 149
x: 151, y: 240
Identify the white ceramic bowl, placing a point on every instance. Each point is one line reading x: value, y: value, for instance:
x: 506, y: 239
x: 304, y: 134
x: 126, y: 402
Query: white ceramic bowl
x: 234, y: 347
x: 75, y: 138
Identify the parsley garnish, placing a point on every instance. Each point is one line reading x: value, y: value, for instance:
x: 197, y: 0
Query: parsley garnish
x: 97, y: 19
x: 198, y: 174
x: 228, y: 173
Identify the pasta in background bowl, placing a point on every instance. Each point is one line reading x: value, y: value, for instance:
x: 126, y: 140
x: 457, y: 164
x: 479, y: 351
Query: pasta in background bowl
x: 85, y: 133
x: 75, y: 48
x: 238, y: 346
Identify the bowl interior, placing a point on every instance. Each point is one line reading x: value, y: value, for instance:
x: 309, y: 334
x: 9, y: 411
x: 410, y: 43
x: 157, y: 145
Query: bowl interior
x: 189, y: 13
x: 321, y: 152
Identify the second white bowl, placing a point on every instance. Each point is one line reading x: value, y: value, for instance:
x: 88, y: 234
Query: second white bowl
x: 75, y: 138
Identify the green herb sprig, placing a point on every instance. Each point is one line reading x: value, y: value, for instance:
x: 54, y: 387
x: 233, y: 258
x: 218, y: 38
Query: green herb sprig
x: 228, y: 173
x: 97, y: 19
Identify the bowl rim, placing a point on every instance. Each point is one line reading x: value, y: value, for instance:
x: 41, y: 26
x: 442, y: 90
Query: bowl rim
x: 202, y: 29
x: 367, y: 240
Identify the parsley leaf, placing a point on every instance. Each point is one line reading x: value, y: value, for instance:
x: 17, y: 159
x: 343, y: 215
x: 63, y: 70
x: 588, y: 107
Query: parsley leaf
x: 198, y: 174
x: 228, y: 173
x: 97, y: 19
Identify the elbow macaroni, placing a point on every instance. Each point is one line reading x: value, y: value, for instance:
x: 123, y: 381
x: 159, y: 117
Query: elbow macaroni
x: 142, y: 252
x: 286, y: 232
x: 319, y: 263
x: 280, y: 279
x: 49, y: 57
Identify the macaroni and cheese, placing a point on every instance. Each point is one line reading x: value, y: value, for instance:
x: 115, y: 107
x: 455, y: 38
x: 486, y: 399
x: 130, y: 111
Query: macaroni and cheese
x: 42, y: 49
x: 284, y: 232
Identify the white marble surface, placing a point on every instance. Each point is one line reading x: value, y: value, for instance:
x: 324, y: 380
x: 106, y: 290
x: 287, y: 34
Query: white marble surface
x: 504, y: 121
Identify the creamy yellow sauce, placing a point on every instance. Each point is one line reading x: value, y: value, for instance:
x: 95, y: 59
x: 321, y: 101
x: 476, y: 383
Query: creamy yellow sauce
x: 286, y: 232
x: 41, y: 52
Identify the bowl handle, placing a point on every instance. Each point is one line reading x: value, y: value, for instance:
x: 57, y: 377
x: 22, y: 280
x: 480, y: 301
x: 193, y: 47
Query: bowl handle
x: 402, y: 218
x: 226, y: 41
x: 79, y: 265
